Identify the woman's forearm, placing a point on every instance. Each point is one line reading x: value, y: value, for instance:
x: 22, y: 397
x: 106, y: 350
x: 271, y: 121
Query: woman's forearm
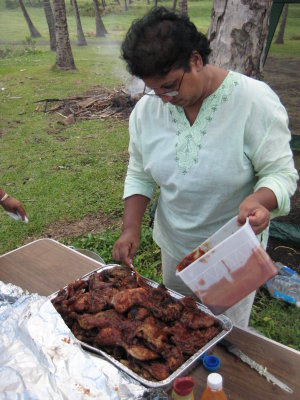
x: 266, y: 198
x: 134, y: 210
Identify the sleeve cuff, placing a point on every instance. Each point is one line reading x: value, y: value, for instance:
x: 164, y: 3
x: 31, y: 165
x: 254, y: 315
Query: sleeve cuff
x: 281, y: 194
x: 133, y: 186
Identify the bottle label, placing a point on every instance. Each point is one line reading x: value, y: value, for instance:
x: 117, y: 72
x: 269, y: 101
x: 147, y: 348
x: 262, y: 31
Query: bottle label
x: 282, y: 296
x: 288, y: 270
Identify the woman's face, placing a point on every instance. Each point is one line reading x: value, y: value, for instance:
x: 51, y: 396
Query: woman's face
x: 179, y: 87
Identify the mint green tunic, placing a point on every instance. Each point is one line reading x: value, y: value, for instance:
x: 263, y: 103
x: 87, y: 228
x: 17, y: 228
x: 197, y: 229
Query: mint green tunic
x: 238, y: 143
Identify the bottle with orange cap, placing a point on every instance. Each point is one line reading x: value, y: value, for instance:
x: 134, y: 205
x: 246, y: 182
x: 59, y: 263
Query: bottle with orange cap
x: 214, y: 388
x: 183, y: 388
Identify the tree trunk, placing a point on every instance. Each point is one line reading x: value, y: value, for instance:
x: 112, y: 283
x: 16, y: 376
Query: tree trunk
x: 238, y: 34
x: 51, y: 24
x: 280, y: 35
x: 34, y: 33
x: 174, y: 5
x: 80, y: 35
x: 100, y: 28
x: 64, y: 56
x: 103, y: 4
x: 125, y: 5
x: 183, y: 7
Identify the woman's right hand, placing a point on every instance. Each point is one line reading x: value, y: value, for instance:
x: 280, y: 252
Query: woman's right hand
x: 126, y: 247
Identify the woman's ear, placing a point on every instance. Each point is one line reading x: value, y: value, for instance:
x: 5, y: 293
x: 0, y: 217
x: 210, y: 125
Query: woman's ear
x: 196, y: 60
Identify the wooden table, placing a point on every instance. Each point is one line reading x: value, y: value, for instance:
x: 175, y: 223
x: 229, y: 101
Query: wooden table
x: 44, y: 266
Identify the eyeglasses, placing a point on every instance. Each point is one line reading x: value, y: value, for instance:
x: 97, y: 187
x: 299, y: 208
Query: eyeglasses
x: 169, y: 93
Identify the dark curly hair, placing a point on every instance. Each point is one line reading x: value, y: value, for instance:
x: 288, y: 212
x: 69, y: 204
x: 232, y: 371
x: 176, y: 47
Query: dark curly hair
x: 161, y: 41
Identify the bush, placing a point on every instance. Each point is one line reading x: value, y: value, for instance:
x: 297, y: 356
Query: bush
x: 29, y: 45
x: 85, y: 9
x: 11, y: 4
x: 29, y: 48
x: 6, y: 52
x: 35, y: 3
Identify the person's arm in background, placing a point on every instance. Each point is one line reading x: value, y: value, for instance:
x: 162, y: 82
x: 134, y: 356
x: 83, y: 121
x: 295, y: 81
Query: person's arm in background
x: 11, y: 204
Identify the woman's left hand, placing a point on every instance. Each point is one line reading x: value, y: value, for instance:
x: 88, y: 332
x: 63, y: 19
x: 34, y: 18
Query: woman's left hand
x: 256, y: 207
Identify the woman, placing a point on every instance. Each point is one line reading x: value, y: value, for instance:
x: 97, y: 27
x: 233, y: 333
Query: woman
x: 12, y: 205
x: 215, y: 142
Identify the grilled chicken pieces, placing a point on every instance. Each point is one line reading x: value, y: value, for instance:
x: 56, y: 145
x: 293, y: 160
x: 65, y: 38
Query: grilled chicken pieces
x: 145, y: 328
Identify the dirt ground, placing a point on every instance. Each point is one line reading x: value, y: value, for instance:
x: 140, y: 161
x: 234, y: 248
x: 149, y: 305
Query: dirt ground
x: 283, y: 75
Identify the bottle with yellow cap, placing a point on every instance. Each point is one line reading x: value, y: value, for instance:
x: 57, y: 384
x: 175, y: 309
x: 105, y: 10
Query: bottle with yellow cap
x: 183, y: 388
x: 214, y: 388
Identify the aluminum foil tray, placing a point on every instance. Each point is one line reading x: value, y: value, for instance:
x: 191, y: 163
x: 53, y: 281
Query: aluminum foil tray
x: 186, y: 366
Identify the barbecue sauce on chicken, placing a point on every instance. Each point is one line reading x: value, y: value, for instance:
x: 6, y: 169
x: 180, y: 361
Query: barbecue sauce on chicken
x: 144, y: 328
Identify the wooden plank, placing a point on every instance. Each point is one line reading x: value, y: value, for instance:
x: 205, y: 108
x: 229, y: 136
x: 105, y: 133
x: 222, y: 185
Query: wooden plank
x: 44, y: 266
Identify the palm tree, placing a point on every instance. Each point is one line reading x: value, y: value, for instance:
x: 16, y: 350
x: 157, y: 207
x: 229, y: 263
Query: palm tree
x: 34, y: 33
x: 280, y: 35
x: 64, y: 56
x: 51, y: 24
x: 80, y: 35
x: 183, y: 7
x: 100, y: 28
x: 238, y: 35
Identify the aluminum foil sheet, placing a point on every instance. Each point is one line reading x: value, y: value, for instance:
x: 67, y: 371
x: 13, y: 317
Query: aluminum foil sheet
x: 41, y: 359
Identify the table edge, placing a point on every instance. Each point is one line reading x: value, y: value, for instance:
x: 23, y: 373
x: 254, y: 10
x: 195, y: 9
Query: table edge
x: 252, y: 332
x: 56, y: 242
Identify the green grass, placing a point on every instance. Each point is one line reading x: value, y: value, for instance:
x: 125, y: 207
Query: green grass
x: 276, y: 319
x: 64, y: 173
x: 147, y: 260
x: 291, y: 46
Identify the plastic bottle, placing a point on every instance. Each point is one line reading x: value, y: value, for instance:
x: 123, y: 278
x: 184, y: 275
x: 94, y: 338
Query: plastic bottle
x: 214, y: 388
x: 286, y: 271
x: 286, y: 285
x: 183, y: 388
x: 286, y: 288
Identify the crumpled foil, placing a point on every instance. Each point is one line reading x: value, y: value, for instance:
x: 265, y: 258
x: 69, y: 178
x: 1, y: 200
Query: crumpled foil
x: 41, y: 359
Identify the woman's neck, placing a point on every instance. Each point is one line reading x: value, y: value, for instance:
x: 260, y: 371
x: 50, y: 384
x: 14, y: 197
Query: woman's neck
x: 212, y: 77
